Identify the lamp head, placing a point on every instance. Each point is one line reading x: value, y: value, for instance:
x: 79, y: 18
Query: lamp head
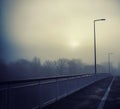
x: 99, y: 19
x: 103, y: 19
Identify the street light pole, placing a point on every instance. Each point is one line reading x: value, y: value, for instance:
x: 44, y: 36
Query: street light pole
x: 95, y: 67
x: 109, y: 54
x: 95, y: 48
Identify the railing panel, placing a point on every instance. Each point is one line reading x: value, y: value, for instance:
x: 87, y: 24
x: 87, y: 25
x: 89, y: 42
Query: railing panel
x: 3, y: 98
x: 48, y: 91
x: 61, y: 88
x: 37, y: 93
x: 24, y: 96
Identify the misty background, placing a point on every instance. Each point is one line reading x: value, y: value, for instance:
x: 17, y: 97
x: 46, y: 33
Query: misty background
x: 54, y: 30
x: 24, y: 69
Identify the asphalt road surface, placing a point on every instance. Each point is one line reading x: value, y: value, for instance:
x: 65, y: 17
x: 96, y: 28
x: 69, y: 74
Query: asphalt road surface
x: 91, y: 96
x: 113, y: 99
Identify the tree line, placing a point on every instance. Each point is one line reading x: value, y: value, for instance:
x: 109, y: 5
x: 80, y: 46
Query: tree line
x: 25, y: 69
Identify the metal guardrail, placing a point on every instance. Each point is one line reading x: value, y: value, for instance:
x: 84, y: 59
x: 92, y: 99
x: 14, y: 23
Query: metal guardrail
x: 37, y: 93
x: 42, y: 78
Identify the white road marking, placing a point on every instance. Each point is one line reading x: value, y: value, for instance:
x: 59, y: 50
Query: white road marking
x: 101, y: 105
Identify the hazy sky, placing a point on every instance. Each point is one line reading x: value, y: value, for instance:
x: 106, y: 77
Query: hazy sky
x: 53, y: 29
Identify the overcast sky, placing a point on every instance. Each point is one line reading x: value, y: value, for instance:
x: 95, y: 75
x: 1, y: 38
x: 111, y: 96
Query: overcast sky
x: 53, y: 29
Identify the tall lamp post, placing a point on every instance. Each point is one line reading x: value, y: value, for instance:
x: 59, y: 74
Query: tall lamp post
x: 95, y: 68
x: 109, y: 54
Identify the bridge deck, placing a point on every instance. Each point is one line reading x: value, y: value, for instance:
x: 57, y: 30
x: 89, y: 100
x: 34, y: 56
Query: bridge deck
x: 87, y: 98
x: 113, y: 100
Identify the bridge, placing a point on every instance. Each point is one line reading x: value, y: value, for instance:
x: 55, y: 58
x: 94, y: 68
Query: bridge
x: 66, y: 92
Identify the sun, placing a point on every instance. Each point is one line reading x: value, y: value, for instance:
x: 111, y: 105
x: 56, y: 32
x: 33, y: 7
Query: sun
x: 74, y: 44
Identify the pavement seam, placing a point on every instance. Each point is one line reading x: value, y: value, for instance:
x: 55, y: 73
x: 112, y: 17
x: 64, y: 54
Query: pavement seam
x: 101, y: 105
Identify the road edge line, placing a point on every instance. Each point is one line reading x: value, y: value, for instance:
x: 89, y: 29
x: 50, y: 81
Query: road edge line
x: 101, y: 105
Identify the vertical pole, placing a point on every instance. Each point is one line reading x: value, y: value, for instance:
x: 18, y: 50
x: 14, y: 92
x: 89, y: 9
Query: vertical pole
x: 109, y: 54
x: 95, y: 66
x: 95, y: 49
x: 108, y: 64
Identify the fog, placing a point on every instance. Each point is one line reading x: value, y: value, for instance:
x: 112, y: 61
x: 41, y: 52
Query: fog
x: 58, y: 29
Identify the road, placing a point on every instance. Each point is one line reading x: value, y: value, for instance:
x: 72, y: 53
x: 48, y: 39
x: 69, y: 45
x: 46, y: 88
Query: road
x: 113, y: 100
x: 92, y: 96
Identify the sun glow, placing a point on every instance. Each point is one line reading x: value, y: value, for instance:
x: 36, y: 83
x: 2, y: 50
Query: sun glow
x: 74, y: 44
